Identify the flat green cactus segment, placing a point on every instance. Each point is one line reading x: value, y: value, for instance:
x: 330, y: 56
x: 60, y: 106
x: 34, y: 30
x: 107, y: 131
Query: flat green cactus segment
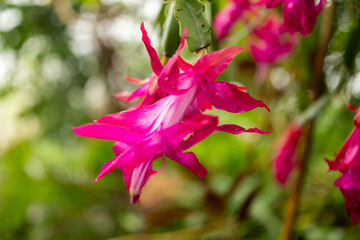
x: 170, y: 38
x: 191, y: 14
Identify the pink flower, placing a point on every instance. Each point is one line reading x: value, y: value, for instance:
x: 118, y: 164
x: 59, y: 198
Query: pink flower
x: 286, y: 156
x: 347, y: 161
x: 148, y: 133
x: 300, y: 15
x: 270, y: 42
x: 232, y: 12
x: 174, y: 123
x: 349, y: 154
x: 349, y: 184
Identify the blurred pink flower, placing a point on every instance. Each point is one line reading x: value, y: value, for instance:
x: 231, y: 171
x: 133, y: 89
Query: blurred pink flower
x: 270, y: 41
x: 286, y: 157
x: 272, y: 3
x: 347, y: 161
x: 226, y: 18
x: 349, y: 184
x: 349, y: 154
x: 300, y: 15
x: 163, y: 128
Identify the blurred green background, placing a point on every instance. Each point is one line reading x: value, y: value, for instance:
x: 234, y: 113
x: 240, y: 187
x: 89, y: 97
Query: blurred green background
x: 61, y: 62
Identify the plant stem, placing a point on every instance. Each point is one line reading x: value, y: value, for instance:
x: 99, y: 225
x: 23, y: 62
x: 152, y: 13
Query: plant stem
x: 318, y: 89
x: 202, y: 52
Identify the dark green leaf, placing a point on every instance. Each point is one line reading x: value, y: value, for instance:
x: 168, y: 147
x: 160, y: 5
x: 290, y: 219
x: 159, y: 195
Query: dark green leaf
x: 170, y: 38
x: 191, y: 14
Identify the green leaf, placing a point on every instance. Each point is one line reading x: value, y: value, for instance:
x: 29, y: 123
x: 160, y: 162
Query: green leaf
x: 170, y: 38
x: 191, y: 14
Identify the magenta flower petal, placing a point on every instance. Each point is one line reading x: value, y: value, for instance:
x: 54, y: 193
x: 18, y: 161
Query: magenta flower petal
x: 348, y: 162
x: 270, y: 42
x: 349, y: 154
x: 183, y: 129
x: 108, y: 132
x: 211, y: 65
x: 235, y: 129
x: 226, y: 18
x: 124, y: 96
x: 349, y: 184
x: 227, y: 96
x: 137, y: 81
x: 188, y: 160
x: 139, y: 119
x: 119, y: 148
x: 127, y: 96
x: 169, y: 80
x: 197, y: 128
x: 183, y: 65
x: 286, y: 156
x: 202, y: 102
x: 137, y: 171
x: 107, y: 168
x: 154, y: 58
x: 118, y: 162
x: 300, y: 15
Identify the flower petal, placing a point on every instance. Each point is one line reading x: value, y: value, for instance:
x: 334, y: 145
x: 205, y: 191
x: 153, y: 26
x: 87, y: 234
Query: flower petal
x: 183, y: 65
x: 136, y: 80
x: 198, y: 127
x: 349, y: 184
x: 154, y: 58
x: 227, y: 97
x: 118, y: 162
x: 211, y: 65
x: 286, y: 157
x: 120, y: 147
x: 349, y: 154
x: 235, y: 129
x: 139, y: 169
x: 107, y: 132
x: 188, y: 160
x: 169, y: 80
x: 202, y: 102
x: 128, y: 96
x: 139, y: 119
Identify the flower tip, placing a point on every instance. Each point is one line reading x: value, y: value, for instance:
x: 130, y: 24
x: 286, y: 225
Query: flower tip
x: 240, y: 48
x: 351, y: 107
x: 202, y: 174
x: 267, y: 108
x: 135, y: 199
x: 265, y: 132
x: 330, y: 164
x: 77, y: 130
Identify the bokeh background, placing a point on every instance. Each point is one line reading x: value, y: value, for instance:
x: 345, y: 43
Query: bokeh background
x: 62, y: 61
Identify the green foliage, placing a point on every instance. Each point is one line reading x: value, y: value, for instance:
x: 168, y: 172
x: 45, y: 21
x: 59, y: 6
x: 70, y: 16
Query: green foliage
x: 192, y: 15
x: 170, y: 38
